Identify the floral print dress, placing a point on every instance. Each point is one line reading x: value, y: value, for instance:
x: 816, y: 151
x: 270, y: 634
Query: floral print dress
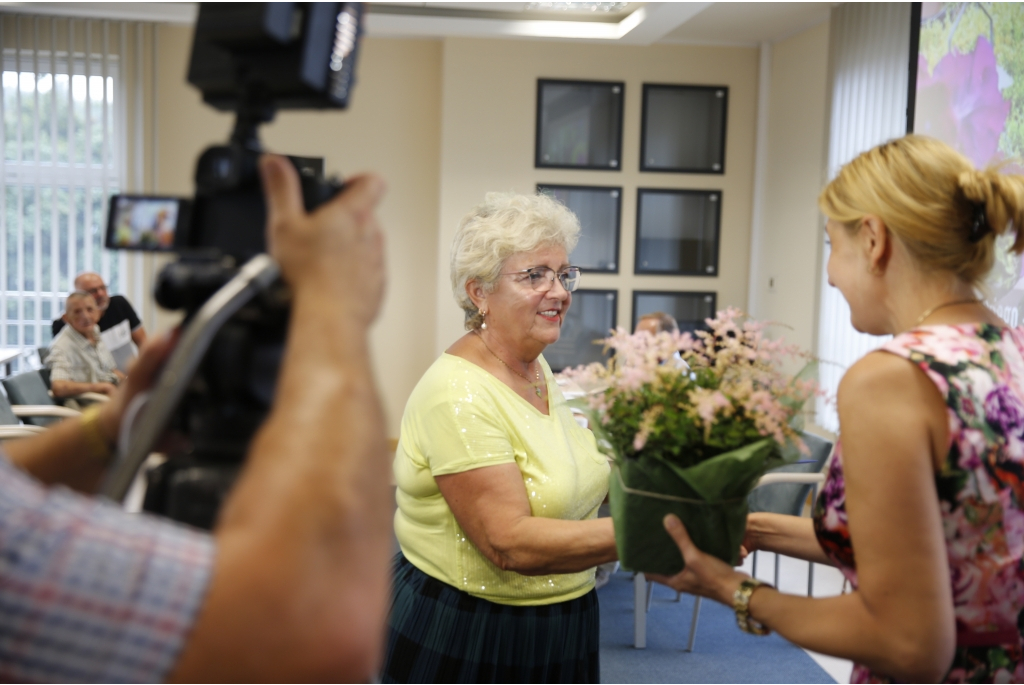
x: 979, y: 370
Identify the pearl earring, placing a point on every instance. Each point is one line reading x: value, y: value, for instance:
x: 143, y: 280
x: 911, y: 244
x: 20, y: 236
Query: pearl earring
x: 483, y: 325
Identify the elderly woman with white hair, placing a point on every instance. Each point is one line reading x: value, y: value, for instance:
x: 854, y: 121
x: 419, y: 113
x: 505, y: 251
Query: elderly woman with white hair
x: 498, y: 486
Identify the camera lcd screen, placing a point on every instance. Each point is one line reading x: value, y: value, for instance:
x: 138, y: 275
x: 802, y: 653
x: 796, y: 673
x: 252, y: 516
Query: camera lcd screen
x: 138, y: 222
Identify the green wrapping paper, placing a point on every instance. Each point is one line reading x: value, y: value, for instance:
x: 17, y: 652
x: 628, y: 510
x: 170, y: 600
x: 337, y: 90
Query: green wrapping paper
x: 710, y: 498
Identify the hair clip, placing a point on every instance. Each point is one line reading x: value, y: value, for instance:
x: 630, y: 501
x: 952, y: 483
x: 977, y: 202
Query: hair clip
x: 979, y: 227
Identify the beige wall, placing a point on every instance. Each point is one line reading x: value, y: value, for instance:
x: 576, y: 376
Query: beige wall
x: 392, y: 127
x: 489, y: 111
x: 447, y: 121
x: 792, y: 230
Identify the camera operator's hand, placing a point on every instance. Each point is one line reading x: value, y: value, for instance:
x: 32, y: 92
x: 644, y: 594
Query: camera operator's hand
x: 336, y: 251
x: 141, y: 377
x: 66, y: 454
x: 300, y: 587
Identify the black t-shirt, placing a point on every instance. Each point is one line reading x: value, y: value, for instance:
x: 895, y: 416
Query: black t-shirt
x: 118, y: 310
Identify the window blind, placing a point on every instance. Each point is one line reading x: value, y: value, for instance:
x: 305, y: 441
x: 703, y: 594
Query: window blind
x: 66, y: 119
x: 870, y: 47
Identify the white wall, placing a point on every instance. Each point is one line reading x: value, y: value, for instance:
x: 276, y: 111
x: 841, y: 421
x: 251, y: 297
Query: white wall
x: 392, y: 127
x: 788, y: 265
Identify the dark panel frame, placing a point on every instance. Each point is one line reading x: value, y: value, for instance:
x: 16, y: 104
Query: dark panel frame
x: 618, y: 221
x: 637, y: 269
x: 915, y: 47
x: 541, y: 82
x: 615, y: 307
x: 647, y: 87
x: 700, y: 293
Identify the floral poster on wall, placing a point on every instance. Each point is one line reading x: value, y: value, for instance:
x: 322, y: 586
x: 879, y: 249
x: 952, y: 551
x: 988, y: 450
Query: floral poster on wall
x: 970, y: 94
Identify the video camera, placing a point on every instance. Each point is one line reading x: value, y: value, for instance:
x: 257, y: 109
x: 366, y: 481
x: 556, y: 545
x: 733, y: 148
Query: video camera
x: 218, y: 385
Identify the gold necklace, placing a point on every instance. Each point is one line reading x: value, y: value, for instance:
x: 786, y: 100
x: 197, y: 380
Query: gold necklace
x: 536, y: 387
x: 973, y: 300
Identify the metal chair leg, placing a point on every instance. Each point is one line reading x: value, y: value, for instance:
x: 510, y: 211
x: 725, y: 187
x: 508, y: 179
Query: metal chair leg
x: 753, y: 566
x: 810, y: 578
x: 639, y: 612
x: 693, y: 623
x: 678, y: 595
x: 777, y: 555
x: 650, y: 591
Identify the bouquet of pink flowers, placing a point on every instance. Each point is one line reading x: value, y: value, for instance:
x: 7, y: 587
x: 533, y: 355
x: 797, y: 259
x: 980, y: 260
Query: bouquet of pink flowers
x: 692, y: 422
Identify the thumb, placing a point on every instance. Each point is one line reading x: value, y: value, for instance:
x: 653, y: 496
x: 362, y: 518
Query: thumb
x: 362, y: 193
x: 281, y: 189
x: 678, y: 532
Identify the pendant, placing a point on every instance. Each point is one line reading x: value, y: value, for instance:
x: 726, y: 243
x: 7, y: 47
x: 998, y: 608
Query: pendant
x: 537, y: 390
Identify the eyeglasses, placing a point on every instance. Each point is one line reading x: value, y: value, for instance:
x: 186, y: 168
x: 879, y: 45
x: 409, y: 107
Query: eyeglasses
x: 542, y: 278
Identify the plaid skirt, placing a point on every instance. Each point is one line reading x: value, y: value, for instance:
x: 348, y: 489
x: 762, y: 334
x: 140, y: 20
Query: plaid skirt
x: 438, y: 634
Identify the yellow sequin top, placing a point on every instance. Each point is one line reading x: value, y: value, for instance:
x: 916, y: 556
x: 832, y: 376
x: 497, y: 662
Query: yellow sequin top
x: 460, y: 417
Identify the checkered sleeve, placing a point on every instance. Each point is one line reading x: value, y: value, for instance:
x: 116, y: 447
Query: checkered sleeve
x: 89, y: 593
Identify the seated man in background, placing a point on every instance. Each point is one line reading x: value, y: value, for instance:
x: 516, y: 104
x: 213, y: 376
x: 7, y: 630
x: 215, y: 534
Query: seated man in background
x: 79, y: 360
x: 119, y: 324
x: 657, y: 322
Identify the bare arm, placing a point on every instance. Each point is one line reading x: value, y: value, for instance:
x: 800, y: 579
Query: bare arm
x: 71, y: 388
x: 490, y: 504
x: 900, y: 621
x: 139, y: 336
x: 789, y: 535
x: 301, y: 580
x: 63, y: 454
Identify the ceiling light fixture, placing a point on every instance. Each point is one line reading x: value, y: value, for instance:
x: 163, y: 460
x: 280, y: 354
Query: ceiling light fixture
x: 577, y: 6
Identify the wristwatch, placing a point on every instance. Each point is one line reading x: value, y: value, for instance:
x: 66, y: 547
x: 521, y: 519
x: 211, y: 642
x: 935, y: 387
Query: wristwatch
x: 741, y: 605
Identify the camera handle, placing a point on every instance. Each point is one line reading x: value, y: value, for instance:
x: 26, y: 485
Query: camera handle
x: 256, y: 276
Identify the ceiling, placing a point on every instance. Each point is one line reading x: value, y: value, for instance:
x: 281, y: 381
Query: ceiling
x: 635, y: 23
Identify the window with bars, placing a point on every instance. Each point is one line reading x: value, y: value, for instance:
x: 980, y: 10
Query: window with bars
x: 62, y: 112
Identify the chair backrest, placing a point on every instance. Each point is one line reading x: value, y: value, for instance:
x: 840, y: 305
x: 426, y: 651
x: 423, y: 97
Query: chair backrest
x: 7, y: 417
x: 29, y: 388
x: 789, y: 498
x: 43, y: 353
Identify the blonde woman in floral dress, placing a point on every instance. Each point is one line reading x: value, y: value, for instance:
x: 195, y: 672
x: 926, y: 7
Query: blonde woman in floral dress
x: 923, y: 507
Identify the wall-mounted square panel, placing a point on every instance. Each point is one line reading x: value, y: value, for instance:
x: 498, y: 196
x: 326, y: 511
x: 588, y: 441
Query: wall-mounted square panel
x: 599, y: 212
x: 689, y: 309
x: 579, y: 124
x: 591, y: 317
x: 677, y: 231
x: 683, y: 129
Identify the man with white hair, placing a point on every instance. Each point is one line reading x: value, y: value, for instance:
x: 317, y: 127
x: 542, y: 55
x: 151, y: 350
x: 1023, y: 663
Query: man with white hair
x: 79, y: 360
x: 119, y: 324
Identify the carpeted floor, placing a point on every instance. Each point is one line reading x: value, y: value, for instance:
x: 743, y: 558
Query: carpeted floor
x: 722, y: 653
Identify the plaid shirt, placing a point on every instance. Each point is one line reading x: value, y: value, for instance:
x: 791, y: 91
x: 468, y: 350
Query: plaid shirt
x: 91, y: 593
x: 73, y: 358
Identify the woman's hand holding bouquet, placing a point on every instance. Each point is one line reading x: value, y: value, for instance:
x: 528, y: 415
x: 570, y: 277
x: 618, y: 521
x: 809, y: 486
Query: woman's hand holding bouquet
x: 692, y: 421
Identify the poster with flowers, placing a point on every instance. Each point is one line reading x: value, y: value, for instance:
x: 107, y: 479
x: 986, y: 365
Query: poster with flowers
x: 970, y: 94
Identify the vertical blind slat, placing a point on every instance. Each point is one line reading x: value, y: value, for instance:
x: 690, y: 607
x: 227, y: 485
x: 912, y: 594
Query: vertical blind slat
x: 54, y: 186
x: 57, y: 180
x: 87, y: 223
x: 37, y: 267
x: 104, y: 256
x: 72, y: 190
x: 21, y: 194
x: 3, y: 194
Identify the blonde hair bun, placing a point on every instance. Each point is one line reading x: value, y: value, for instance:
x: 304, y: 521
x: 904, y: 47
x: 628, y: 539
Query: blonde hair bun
x: 946, y: 212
